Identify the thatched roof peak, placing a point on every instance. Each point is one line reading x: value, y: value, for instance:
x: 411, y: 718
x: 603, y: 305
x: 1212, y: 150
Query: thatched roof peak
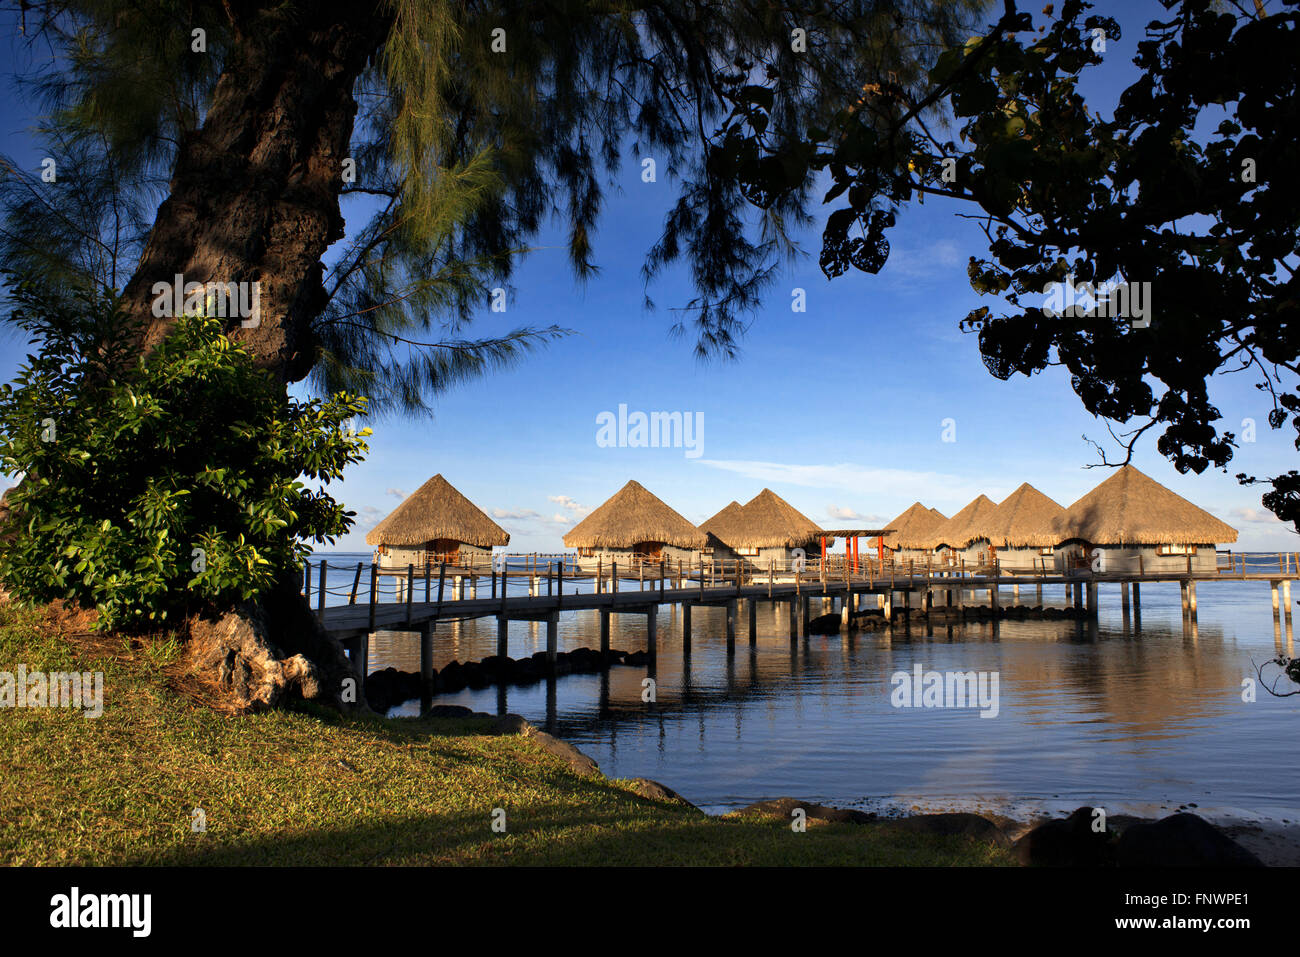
x: 954, y: 531
x: 912, y: 528
x: 437, y: 510
x: 1131, y: 508
x: 769, y: 521
x: 1016, y: 520
x: 630, y: 516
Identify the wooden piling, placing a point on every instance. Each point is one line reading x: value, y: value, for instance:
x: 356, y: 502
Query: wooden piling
x: 686, y: 622
x: 604, y: 630
x: 731, y: 624
x: 426, y: 657
x: 652, y: 630
x: 753, y: 621
x: 552, y: 638
x: 356, y: 581
x: 320, y: 601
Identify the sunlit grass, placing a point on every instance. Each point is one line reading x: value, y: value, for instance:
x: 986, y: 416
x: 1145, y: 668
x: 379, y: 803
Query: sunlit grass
x: 310, y: 787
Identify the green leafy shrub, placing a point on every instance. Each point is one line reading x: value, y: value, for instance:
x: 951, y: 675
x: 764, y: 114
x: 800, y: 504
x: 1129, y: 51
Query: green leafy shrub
x: 155, y: 487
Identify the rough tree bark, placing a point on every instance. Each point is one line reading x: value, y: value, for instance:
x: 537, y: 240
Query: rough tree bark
x: 255, y: 198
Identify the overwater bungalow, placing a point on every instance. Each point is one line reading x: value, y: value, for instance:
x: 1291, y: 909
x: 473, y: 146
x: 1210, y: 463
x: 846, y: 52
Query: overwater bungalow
x: 764, y: 532
x: 948, y: 542
x: 436, y: 524
x: 1008, y: 531
x: 1134, y: 524
x: 910, y: 532
x: 718, y: 529
x: 635, y: 527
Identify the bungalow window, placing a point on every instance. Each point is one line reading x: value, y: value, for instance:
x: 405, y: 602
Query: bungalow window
x: 586, y: 552
x: 1050, y: 550
x: 1175, y: 549
x: 747, y: 550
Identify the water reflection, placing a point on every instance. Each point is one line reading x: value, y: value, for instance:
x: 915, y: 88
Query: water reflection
x: 1147, y: 709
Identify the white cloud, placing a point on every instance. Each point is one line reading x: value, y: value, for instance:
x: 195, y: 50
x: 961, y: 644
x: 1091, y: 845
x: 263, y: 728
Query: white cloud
x: 837, y: 511
x: 517, y: 514
x: 570, y: 505
x: 395, y: 492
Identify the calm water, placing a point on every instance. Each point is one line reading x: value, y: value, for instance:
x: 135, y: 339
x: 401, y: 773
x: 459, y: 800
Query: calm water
x: 1088, y: 714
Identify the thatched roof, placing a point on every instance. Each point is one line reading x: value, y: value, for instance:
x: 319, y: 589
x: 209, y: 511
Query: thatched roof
x: 955, y: 532
x: 632, y: 515
x: 912, y: 527
x: 722, y: 526
x: 1016, y: 520
x: 1130, y: 508
x: 769, y: 521
x: 436, y: 510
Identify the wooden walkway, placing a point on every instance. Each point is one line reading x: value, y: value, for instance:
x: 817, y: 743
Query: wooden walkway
x: 617, y: 593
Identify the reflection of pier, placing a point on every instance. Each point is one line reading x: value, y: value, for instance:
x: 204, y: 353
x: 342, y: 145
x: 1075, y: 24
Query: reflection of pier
x: 856, y: 588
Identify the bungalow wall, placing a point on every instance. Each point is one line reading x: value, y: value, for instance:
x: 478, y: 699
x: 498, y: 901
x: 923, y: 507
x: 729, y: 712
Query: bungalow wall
x: 1130, y: 559
x: 399, y: 556
x: 604, y: 558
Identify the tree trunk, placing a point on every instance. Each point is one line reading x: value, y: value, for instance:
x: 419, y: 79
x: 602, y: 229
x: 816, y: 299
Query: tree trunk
x: 254, y: 196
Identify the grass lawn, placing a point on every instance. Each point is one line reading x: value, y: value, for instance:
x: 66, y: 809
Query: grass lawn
x: 308, y: 787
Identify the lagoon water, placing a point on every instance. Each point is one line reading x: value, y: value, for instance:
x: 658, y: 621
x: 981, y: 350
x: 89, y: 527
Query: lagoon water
x: 1134, y: 721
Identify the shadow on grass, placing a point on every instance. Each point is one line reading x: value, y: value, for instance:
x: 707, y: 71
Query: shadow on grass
x: 642, y: 833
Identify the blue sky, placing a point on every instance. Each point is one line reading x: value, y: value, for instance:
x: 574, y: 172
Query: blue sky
x: 840, y: 409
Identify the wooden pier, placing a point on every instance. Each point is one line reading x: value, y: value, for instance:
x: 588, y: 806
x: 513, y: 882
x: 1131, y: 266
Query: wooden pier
x: 539, y: 588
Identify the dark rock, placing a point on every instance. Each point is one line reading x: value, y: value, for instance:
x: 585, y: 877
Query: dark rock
x: 971, y: 825
x: 449, y: 711
x: 578, y: 762
x: 824, y: 625
x: 658, y: 792
x: 1067, y: 842
x: 782, y: 808
x: 1181, y: 840
x: 510, y: 724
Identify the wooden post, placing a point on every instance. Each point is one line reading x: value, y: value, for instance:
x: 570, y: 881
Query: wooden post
x: 356, y: 580
x: 805, y: 612
x: 426, y: 657
x: 552, y: 638
x: 1137, y: 605
x: 306, y: 577
x: 410, y: 591
x: 1276, y: 606
x: 753, y: 621
x: 1286, y: 598
x: 1182, y: 587
x: 374, y: 575
x: 600, y: 575
x: 1124, y: 602
x: 503, y: 634
x: 794, y: 619
x: 613, y: 576
x: 320, y: 600
x: 652, y: 630
x: 731, y: 625
x: 771, y: 573
x: 442, y: 580
x: 1092, y: 599
x: 604, y: 631
x: 559, y: 584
